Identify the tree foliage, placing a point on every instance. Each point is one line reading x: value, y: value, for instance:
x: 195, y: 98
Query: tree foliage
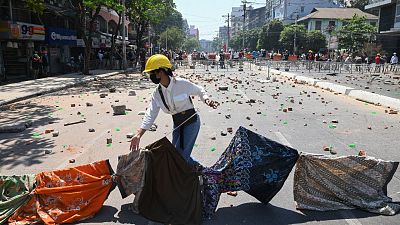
x: 36, y: 6
x: 288, y: 34
x: 172, y: 19
x: 142, y: 13
x: 355, y: 33
x: 269, y: 36
x: 217, y: 44
x: 315, y: 40
x: 191, y: 44
x: 172, y: 38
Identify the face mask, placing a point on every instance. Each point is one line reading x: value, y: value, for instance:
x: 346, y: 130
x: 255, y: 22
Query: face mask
x: 154, y: 78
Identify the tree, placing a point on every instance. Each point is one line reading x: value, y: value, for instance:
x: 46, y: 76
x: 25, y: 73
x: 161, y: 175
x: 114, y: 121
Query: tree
x: 191, y: 44
x: 236, y: 42
x: 251, y: 39
x: 288, y: 34
x: 269, y: 36
x: 172, y: 38
x: 35, y: 6
x: 315, y: 40
x: 172, y: 19
x: 360, y: 4
x: 142, y: 13
x: 355, y: 33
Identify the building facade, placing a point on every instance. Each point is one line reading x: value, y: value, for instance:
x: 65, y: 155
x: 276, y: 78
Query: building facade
x: 255, y: 18
x: 54, y: 36
x: 289, y: 10
x: 237, y: 14
x: 194, y: 32
x: 389, y: 23
x: 327, y: 20
x: 206, y: 45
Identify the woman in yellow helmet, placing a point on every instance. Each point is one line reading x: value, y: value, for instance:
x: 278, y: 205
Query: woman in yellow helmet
x: 173, y: 96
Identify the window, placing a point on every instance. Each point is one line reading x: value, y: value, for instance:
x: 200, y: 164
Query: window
x: 397, y: 18
x: 332, y: 23
x: 302, y: 9
x: 373, y: 24
x: 318, y: 25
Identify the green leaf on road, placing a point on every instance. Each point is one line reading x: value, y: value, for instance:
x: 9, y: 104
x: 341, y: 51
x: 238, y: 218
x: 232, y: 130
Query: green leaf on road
x: 374, y: 113
x: 332, y: 126
x: 118, y: 129
x: 196, y: 145
x: 36, y: 134
x: 109, y: 145
x: 352, y: 145
x: 213, y: 149
x: 285, y: 122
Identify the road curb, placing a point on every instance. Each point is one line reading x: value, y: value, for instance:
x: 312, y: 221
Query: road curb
x: 357, y: 94
x: 62, y: 87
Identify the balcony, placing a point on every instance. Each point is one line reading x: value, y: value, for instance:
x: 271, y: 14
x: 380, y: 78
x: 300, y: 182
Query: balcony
x: 378, y: 3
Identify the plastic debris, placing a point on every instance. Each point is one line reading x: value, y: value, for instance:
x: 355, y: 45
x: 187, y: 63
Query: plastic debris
x: 352, y: 145
x: 213, y: 149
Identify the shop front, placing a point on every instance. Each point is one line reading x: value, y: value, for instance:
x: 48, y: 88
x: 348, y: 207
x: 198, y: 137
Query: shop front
x: 18, y: 41
x: 59, y: 43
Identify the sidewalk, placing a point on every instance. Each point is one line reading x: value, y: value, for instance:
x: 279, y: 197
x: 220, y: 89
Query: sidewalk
x: 356, y: 93
x: 14, y: 92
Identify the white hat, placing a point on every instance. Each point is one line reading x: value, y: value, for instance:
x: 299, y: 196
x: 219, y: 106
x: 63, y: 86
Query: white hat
x: 394, y: 53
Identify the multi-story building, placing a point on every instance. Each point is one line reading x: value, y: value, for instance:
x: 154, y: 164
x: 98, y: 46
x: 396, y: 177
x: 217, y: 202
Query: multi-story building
x: 327, y: 20
x: 223, y: 33
x: 289, y: 10
x: 193, y: 32
x: 237, y: 14
x: 255, y: 18
x: 389, y: 23
x: 206, y: 45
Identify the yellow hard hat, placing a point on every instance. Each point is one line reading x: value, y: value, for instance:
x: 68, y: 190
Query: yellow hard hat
x: 156, y: 62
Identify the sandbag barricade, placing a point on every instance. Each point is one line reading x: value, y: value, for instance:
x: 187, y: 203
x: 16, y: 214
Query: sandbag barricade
x: 15, y: 191
x: 325, y: 183
x: 67, y: 195
x: 252, y: 163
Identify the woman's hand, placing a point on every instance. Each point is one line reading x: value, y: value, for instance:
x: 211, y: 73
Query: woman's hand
x: 212, y: 104
x: 136, y: 140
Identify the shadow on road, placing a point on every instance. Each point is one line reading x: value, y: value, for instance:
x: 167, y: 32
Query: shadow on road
x: 26, y: 147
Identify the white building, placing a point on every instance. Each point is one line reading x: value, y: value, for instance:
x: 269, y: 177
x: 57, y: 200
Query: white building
x: 237, y: 19
x: 290, y: 10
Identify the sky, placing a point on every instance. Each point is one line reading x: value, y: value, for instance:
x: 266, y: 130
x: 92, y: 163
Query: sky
x: 207, y: 14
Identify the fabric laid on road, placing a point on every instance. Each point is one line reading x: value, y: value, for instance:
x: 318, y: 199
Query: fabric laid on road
x: 131, y: 173
x: 331, y: 183
x: 171, y: 193
x: 15, y: 191
x: 252, y: 163
x: 67, y: 195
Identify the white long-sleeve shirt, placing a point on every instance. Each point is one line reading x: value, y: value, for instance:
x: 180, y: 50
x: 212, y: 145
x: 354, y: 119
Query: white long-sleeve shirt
x: 394, y: 59
x: 176, y: 96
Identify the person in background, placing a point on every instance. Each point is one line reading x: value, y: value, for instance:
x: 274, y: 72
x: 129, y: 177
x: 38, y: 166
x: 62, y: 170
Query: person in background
x: 394, y: 61
x: 36, y: 64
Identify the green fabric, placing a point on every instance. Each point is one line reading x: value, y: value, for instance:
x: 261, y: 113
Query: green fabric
x: 14, y: 192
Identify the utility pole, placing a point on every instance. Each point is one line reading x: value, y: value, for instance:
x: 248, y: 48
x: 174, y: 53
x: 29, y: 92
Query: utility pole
x: 295, y: 36
x: 124, y: 62
x: 11, y: 11
x: 228, y: 20
x: 244, y: 21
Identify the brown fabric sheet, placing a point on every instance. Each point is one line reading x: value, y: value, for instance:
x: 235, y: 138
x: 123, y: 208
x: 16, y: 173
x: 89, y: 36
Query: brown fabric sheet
x: 171, y: 193
x: 331, y: 183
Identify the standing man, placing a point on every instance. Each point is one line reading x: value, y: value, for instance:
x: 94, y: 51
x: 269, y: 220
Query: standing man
x: 394, y: 61
x: 36, y: 64
x: 173, y: 96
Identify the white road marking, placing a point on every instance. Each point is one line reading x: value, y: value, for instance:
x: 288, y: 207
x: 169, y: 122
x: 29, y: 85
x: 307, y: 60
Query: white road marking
x: 347, y: 215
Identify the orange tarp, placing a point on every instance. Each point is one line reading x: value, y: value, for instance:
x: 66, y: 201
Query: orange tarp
x: 67, y: 195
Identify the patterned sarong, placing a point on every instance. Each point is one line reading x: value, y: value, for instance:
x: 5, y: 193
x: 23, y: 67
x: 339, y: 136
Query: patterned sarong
x: 252, y: 163
x: 331, y: 183
x: 67, y: 195
x: 130, y: 171
x: 15, y: 191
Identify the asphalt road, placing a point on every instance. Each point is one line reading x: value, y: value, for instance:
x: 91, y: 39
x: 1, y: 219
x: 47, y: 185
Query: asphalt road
x: 307, y: 128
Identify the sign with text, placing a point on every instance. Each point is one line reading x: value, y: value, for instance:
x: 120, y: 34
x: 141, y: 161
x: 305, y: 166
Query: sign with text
x: 61, y: 36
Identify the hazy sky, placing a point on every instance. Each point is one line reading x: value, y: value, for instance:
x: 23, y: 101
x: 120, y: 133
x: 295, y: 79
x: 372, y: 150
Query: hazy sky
x: 207, y: 14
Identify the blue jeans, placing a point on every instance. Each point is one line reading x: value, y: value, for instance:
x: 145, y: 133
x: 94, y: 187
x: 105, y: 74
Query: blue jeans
x: 190, y: 133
